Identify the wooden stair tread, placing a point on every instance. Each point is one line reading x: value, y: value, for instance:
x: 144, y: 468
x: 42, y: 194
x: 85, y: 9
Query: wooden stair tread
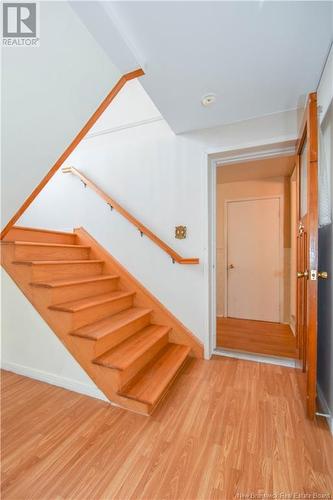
x: 69, y: 282
x: 41, y: 244
x: 56, y: 262
x: 110, y: 324
x: 81, y: 304
x: 124, y: 354
x: 152, y: 382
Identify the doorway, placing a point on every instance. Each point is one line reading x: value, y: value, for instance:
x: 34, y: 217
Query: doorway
x: 255, y: 257
x: 300, y: 254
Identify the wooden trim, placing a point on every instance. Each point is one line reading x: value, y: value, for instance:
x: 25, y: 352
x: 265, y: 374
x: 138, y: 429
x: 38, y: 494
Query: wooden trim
x: 297, y: 249
x: 302, y: 135
x: 141, y: 227
x: 309, y: 117
x: 92, y: 120
x: 307, y: 255
x: 312, y: 230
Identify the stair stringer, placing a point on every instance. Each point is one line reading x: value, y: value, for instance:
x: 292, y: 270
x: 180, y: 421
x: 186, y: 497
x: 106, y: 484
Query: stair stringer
x: 82, y: 351
x: 179, y: 334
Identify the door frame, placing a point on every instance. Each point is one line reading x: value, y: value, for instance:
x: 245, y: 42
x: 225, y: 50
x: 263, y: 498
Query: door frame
x: 281, y: 247
x: 309, y: 135
x: 212, y: 159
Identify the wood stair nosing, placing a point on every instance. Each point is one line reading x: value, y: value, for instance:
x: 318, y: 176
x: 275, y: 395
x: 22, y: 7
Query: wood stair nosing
x: 131, y: 349
x: 42, y: 230
x: 56, y: 262
x: 87, y: 302
x: 19, y: 233
x: 43, y: 244
x: 73, y: 282
x: 152, y: 382
x: 111, y: 324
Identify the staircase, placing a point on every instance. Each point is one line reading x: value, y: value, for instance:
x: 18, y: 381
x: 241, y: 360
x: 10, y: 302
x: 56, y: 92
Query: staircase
x: 127, y: 342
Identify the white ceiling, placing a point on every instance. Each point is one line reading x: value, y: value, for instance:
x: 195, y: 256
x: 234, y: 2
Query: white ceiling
x: 259, y: 57
x: 281, y: 166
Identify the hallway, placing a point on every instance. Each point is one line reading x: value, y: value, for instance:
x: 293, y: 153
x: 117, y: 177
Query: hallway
x: 259, y: 337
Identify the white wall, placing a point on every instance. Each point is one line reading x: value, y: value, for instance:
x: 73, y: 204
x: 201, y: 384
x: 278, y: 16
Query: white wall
x: 160, y: 178
x: 131, y: 107
x: 30, y: 348
x: 45, y: 105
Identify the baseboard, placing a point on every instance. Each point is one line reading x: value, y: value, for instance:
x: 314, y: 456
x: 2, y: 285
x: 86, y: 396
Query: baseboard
x: 325, y: 408
x: 53, y: 379
x: 272, y: 360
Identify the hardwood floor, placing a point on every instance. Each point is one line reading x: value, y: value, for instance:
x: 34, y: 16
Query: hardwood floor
x: 260, y: 337
x: 228, y: 427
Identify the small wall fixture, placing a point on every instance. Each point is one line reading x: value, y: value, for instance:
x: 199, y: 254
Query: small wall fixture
x: 208, y: 99
x: 180, y: 232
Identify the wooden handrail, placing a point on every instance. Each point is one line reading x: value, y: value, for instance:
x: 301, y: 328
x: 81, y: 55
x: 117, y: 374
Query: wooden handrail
x: 141, y: 227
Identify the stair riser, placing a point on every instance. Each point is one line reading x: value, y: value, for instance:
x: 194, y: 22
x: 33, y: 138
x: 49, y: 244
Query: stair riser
x: 111, y: 380
x: 126, y: 375
x: 92, y: 314
x: 29, y: 252
x: 166, y: 390
x: 152, y: 383
x: 41, y: 236
x: 120, y: 335
x: 76, y: 292
x: 64, y: 271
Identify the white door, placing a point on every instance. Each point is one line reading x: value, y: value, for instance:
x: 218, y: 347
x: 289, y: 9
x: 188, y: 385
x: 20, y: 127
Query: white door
x: 253, y: 259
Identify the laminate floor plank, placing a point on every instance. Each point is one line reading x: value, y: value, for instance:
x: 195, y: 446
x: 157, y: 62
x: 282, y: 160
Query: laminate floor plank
x: 258, y: 337
x: 227, y: 427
